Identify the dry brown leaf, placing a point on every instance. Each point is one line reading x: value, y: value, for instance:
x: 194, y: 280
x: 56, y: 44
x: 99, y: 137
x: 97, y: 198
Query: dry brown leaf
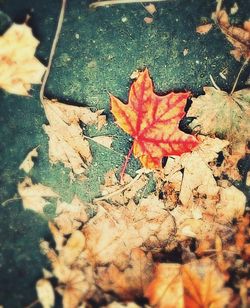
x: 75, y: 276
x: 218, y: 113
x: 185, y: 51
x: 234, y: 9
x: 197, y: 173
x: 76, y: 289
x: 115, y: 231
x: 70, y: 216
x: 34, y: 195
x: 204, y: 29
x: 67, y: 143
x: 106, y: 141
x: 28, y: 163
x: 148, y: 20
x: 195, y: 284
x: 74, y: 246
x: 45, y: 293
x: 133, y: 281
x: 225, y: 116
x: 150, y: 8
x: 166, y: 289
x: 237, y: 36
x: 19, y: 68
x: 231, y: 205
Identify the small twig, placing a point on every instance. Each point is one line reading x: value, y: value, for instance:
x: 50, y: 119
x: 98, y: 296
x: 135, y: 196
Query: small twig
x: 112, y: 2
x: 53, y: 49
x: 213, y: 82
x: 218, y: 6
x: 32, y: 304
x: 10, y: 200
x: 238, y: 76
x: 121, y: 189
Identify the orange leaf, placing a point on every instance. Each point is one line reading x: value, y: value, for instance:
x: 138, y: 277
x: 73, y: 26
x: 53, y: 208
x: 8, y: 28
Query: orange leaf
x: 193, y: 285
x: 166, y: 289
x: 153, y: 121
x: 204, y: 285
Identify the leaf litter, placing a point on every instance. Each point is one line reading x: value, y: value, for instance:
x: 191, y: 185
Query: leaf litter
x: 118, y: 249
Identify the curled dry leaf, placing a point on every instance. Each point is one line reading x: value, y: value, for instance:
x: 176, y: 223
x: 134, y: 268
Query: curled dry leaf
x: 195, y: 284
x: 131, y: 282
x: 115, y: 231
x: 237, y: 36
x: 34, y: 195
x: 28, y: 163
x: 197, y: 173
x: 45, y: 293
x: 204, y: 29
x: 66, y: 139
x: 18, y: 65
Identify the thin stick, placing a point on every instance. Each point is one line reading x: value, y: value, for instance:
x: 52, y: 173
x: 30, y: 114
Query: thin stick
x: 218, y: 6
x: 53, y: 49
x: 10, y: 200
x: 213, y: 82
x: 112, y: 2
x: 32, y: 304
x: 119, y: 190
x: 238, y: 76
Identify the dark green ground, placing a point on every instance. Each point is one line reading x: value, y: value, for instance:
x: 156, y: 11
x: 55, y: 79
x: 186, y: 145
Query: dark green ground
x: 84, y: 70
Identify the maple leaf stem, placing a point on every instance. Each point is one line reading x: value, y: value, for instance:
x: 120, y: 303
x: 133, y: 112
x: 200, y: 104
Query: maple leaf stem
x: 124, y: 166
x: 116, y: 192
x: 238, y: 76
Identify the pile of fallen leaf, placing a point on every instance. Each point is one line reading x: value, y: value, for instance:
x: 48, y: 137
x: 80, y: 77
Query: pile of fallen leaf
x: 187, y: 244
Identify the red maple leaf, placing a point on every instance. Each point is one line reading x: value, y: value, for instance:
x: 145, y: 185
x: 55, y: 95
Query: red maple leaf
x: 153, y: 122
